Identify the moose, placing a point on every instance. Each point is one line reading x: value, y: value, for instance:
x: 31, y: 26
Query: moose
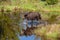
x: 32, y: 16
x: 31, y: 19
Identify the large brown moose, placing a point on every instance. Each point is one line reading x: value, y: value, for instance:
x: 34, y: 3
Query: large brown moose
x: 31, y: 16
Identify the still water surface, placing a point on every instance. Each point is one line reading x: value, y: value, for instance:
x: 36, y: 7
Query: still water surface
x: 32, y: 37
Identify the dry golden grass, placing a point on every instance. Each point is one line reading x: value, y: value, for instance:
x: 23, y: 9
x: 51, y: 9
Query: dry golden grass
x: 49, y: 32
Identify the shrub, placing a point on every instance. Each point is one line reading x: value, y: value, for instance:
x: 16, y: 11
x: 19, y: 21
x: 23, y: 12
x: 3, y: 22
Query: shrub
x: 9, y: 24
x: 43, y: 0
x: 51, y: 2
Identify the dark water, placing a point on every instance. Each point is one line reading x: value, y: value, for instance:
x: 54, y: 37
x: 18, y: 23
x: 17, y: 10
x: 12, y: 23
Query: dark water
x: 32, y: 37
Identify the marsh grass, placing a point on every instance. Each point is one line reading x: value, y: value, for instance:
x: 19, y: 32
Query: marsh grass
x: 50, y: 32
x: 11, y: 15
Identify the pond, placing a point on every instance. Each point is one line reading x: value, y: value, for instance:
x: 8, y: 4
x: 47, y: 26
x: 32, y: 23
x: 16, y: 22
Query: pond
x: 31, y: 37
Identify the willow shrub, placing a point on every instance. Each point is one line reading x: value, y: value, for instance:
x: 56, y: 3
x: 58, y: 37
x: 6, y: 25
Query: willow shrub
x: 51, y: 2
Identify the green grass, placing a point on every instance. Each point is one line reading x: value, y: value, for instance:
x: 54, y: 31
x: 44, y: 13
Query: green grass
x: 33, y: 6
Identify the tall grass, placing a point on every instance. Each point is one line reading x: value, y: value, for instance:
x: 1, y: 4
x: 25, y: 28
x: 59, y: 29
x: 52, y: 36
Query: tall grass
x: 49, y: 32
x: 9, y: 22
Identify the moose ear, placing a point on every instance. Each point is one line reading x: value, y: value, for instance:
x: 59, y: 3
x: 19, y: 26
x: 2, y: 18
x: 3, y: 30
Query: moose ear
x: 25, y: 14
